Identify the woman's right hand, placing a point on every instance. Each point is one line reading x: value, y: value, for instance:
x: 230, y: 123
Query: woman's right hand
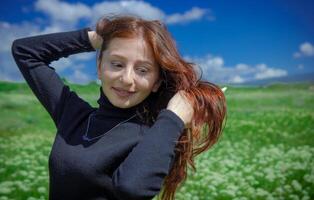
x: 95, y: 39
x: 180, y: 105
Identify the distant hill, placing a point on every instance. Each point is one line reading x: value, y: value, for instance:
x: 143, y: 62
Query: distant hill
x: 308, y: 77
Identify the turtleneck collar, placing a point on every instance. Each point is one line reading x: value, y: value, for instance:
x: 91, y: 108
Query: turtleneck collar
x: 107, y: 109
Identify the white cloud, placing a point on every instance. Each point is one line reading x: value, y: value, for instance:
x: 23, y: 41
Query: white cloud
x: 8, y: 69
x: 264, y: 72
x: 300, y: 66
x: 215, y: 62
x: 84, y: 56
x: 138, y: 8
x: 147, y: 11
x: 62, y: 11
x: 79, y: 77
x: 62, y: 64
x: 242, y: 67
x: 71, y: 13
x: 305, y: 49
x: 194, y: 14
x: 55, y: 27
x: 236, y: 79
x: 8, y: 33
x: 214, y: 70
x: 297, y: 55
x: 62, y: 16
x: 74, y: 62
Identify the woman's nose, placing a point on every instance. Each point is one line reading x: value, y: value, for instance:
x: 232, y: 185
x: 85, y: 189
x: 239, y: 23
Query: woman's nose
x: 127, y: 76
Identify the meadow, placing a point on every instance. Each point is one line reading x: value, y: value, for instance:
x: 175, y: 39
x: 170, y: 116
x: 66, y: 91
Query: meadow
x: 266, y: 150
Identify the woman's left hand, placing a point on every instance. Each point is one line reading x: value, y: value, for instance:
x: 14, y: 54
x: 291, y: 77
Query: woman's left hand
x: 95, y: 39
x: 181, y: 106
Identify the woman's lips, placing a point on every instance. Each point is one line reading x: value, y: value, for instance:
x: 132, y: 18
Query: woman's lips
x: 122, y: 93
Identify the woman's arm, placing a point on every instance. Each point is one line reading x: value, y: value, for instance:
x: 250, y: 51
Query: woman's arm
x: 141, y: 174
x: 33, y: 56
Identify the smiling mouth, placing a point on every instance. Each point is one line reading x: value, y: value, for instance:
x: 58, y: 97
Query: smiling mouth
x: 122, y: 93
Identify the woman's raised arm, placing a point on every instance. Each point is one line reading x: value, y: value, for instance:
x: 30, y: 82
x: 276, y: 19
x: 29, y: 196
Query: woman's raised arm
x: 33, y: 56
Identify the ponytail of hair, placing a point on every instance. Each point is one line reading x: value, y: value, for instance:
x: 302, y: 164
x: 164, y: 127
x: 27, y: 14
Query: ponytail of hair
x: 209, y: 113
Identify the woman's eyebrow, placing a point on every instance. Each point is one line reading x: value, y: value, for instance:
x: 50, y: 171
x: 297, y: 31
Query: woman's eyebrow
x: 119, y: 56
x: 124, y: 58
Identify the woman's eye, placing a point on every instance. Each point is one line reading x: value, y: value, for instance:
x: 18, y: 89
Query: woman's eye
x: 115, y: 64
x: 142, y: 70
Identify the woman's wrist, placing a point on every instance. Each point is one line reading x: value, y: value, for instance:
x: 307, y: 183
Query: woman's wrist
x: 94, y: 39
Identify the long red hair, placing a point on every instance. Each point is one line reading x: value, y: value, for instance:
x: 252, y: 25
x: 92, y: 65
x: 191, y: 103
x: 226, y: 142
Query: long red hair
x: 207, y: 99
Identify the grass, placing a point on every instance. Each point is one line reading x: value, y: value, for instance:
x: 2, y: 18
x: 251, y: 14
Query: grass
x: 266, y: 151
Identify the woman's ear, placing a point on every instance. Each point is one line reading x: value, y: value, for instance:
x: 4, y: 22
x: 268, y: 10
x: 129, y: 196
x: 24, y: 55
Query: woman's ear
x: 157, y: 85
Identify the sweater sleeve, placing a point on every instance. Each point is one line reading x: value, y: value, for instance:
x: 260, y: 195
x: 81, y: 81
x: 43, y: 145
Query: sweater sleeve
x: 141, y: 174
x: 33, y: 56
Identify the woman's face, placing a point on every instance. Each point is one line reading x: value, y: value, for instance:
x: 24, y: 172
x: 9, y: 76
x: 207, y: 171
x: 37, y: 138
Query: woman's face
x: 128, y: 71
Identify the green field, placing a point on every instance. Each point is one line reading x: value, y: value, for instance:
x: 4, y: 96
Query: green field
x: 266, y: 151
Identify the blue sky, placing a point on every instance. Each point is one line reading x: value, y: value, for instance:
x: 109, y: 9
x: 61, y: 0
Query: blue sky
x: 231, y: 42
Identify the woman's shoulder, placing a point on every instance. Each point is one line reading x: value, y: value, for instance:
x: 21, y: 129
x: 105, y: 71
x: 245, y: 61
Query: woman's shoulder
x: 71, y: 105
x: 73, y: 101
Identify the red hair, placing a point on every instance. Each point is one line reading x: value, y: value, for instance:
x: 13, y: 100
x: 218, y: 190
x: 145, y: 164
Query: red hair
x: 207, y: 99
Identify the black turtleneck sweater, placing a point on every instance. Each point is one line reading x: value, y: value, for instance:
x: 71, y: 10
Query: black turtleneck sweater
x: 128, y: 162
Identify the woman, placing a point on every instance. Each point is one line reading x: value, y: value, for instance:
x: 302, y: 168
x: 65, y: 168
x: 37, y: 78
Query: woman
x: 154, y: 114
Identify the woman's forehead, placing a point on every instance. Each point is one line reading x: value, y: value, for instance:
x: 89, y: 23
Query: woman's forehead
x: 130, y: 47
